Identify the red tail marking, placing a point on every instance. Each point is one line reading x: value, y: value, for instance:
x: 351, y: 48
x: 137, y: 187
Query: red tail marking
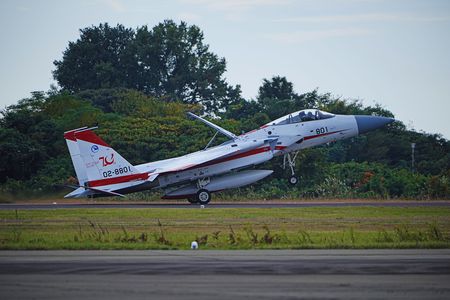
x: 91, y: 137
x: 70, y: 135
x: 105, y: 160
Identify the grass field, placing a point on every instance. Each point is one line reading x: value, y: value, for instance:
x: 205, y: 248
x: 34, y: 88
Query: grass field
x: 226, y: 228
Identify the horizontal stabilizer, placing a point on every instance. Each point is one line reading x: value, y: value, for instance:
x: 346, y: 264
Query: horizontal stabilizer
x: 82, y: 191
x: 77, y: 193
x: 107, y: 192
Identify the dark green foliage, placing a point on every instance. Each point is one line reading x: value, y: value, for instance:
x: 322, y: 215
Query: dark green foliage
x: 98, y: 59
x: 20, y: 156
x: 169, y: 61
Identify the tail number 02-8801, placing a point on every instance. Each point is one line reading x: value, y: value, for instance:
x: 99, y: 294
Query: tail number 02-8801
x: 118, y: 171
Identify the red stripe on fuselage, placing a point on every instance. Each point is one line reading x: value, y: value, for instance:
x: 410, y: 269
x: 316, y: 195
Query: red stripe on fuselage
x: 319, y: 135
x: 120, y: 179
x: 233, y: 157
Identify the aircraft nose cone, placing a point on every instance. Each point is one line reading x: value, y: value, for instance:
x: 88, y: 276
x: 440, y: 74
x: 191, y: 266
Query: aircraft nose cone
x: 368, y: 123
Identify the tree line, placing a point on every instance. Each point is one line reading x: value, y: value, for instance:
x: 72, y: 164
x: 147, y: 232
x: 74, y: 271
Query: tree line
x: 137, y: 85
x: 168, y: 61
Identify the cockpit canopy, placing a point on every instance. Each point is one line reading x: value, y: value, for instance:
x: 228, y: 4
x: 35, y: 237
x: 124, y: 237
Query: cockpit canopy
x: 302, y: 116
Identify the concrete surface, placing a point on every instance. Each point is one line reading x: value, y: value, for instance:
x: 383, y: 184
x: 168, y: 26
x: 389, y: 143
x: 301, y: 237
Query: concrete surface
x: 259, y: 274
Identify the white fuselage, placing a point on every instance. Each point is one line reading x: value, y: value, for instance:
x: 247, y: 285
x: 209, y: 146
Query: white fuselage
x: 289, y: 137
x: 297, y: 136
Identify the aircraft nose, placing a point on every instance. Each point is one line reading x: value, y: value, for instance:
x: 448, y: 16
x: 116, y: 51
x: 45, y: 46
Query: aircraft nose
x: 368, y: 123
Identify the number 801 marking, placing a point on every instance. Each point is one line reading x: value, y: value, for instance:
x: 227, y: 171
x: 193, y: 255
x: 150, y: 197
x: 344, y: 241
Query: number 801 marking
x: 322, y: 130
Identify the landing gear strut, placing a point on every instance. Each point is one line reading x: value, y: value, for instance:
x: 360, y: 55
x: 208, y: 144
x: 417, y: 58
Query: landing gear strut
x: 290, y: 160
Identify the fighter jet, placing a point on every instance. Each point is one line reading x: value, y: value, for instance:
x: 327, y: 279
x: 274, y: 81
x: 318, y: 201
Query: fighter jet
x: 101, y: 171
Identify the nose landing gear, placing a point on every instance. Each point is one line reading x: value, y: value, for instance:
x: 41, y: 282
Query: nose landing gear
x: 289, y: 160
x: 293, y: 180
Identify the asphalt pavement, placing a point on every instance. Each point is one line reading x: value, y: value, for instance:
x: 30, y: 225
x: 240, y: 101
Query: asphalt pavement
x: 253, y: 274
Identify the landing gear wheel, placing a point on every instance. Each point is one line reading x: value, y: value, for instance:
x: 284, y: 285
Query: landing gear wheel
x: 293, y: 180
x: 192, y: 200
x: 289, y: 160
x: 203, y: 196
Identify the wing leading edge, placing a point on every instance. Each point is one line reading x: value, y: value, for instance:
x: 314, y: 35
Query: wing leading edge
x: 214, y: 126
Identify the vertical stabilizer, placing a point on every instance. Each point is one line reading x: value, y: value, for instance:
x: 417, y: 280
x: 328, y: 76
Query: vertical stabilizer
x: 103, y: 165
x: 74, y: 151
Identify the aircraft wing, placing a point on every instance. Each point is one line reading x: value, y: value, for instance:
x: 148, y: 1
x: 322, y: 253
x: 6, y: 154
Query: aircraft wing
x: 219, y: 154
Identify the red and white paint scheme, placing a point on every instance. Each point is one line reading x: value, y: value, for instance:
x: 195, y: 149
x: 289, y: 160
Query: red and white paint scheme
x: 101, y: 171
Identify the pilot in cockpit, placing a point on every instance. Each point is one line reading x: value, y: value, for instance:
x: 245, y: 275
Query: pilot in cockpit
x: 302, y: 116
x: 306, y: 116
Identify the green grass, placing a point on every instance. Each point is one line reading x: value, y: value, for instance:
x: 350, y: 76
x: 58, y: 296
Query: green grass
x: 227, y: 228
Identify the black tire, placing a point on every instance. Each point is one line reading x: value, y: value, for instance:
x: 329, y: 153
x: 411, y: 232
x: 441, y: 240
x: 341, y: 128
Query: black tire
x: 293, y: 180
x: 203, y: 196
x: 192, y: 200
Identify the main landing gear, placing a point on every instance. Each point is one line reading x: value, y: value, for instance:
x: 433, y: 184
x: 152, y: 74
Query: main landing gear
x: 289, y: 160
x: 203, y: 196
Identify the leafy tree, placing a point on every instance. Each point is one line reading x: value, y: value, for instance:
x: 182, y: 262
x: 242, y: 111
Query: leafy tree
x: 277, y: 88
x: 21, y: 156
x: 25, y: 114
x: 242, y: 109
x: 277, y: 97
x: 103, y: 99
x: 175, y: 63
x: 98, y: 59
x: 169, y: 61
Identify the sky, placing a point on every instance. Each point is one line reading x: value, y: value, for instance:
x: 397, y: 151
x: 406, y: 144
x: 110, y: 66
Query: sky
x: 392, y: 52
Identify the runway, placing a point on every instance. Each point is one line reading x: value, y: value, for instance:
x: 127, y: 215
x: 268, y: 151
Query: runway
x: 259, y: 274
x: 269, y: 204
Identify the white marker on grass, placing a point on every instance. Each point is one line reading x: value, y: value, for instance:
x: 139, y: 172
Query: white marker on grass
x: 194, y: 245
